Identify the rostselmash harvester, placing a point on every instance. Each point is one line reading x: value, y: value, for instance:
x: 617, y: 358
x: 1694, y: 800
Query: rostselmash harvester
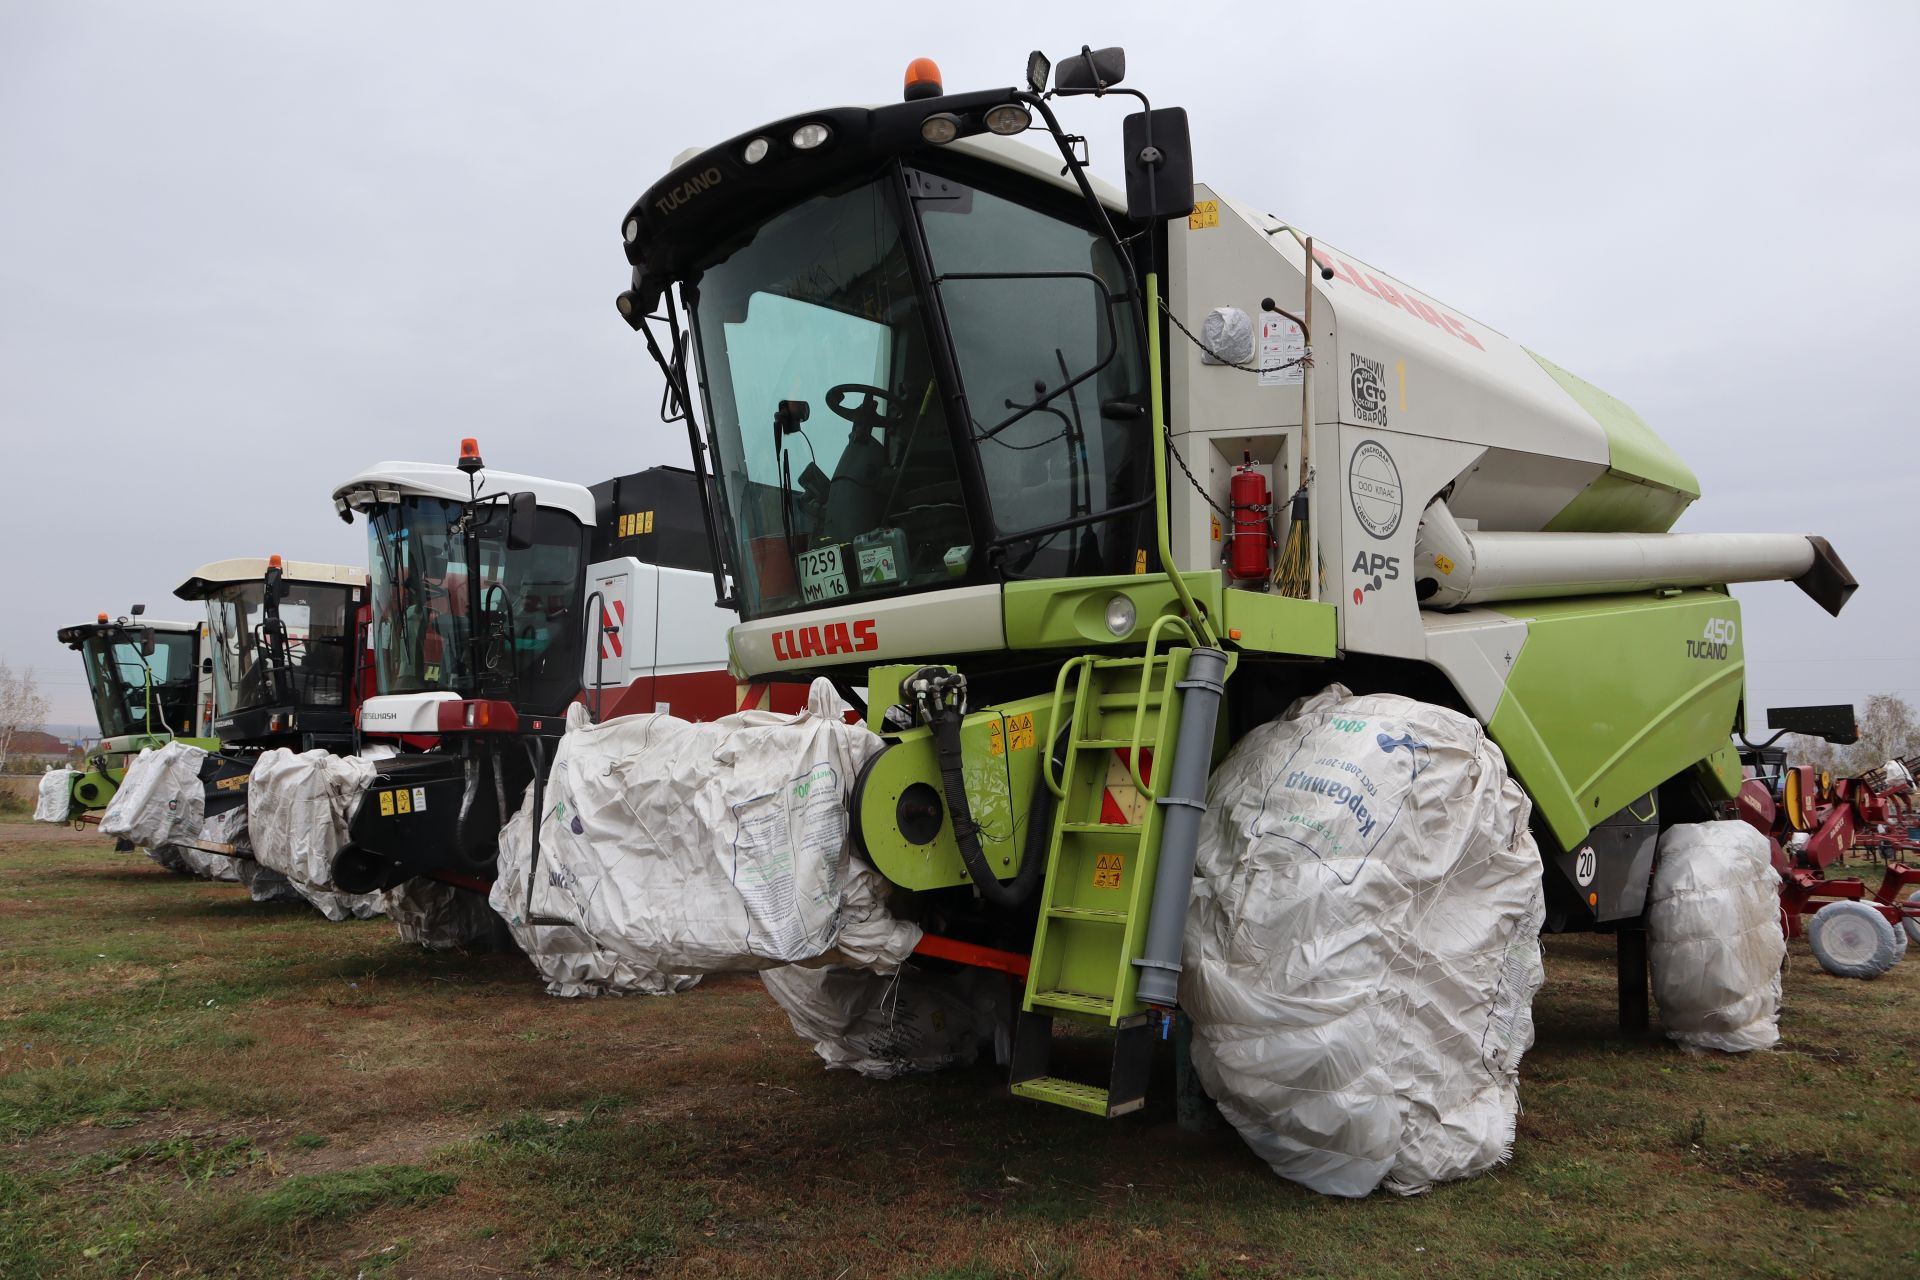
x: 148, y: 687
x: 1082, y: 484
x: 497, y: 601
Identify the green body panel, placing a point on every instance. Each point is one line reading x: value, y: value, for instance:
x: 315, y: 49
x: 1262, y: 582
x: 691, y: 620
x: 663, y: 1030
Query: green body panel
x: 1610, y: 696
x: 1070, y: 613
x: 1646, y: 485
x: 1001, y: 749
x: 1279, y: 624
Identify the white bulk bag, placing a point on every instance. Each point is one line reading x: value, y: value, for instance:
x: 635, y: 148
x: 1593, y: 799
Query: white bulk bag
x: 160, y: 800
x: 56, y: 795
x: 1362, y: 948
x: 566, y: 958
x: 299, y: 807
x: 702, y: 848
x: 1714, y: 938
x: 884, y: 1025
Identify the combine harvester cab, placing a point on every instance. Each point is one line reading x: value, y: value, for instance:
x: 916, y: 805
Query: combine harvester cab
x: 1084, y: 486
x: 497, y: 603
x: 286, y: 642
x: 149, y: 688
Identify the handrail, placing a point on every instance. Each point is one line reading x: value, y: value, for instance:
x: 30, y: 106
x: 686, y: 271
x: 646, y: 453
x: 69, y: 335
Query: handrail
x: 1163, y: 517
x: 1058, y: 785
x: 1164, y: 621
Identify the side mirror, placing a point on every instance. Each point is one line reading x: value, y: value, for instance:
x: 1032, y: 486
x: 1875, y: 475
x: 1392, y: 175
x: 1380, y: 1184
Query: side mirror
x: 1089, y: 71
x: 206, y: 666
x: 1159, y: 156
x: 138, y: 609
x: 1834, y: 722
x: 146, y: 641
x: 522, y: 509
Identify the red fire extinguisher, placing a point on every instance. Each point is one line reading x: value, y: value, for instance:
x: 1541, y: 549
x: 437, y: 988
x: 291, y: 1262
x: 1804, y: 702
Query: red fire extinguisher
x: 1250, y: 548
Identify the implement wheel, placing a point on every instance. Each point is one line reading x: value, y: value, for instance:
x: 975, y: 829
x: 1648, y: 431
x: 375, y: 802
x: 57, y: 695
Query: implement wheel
x: 1852, y: 940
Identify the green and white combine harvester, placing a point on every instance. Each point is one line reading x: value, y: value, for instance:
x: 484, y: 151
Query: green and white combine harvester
x: 149, y: 687
x: 1085, y: 478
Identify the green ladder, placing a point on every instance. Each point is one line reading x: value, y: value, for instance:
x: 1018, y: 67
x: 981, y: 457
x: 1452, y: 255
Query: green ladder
x: 1101, y: 863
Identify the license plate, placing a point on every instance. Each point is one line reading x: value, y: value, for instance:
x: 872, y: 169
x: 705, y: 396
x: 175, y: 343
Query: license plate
x: 823, y: 575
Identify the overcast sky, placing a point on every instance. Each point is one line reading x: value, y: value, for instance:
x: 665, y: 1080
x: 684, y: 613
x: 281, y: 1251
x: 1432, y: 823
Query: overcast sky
x: 247, y: 249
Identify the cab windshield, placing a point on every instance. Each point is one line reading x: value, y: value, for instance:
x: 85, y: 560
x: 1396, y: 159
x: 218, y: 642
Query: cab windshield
x: 530, y: 600
x: 117, y: 677
x: 840, y: 468
x: 303, y: 661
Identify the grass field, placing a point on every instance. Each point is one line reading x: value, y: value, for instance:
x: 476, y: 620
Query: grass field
x: 192, y: 1084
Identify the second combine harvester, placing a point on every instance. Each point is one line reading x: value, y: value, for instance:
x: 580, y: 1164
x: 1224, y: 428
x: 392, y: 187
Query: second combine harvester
x: 1047, y: 466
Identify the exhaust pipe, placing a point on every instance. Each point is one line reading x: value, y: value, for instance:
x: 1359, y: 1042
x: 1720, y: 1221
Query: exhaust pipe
x: 1455, y: 567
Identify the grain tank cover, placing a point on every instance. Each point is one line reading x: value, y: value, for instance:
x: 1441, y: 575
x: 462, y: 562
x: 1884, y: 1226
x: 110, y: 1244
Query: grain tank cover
x: 1561, y: 455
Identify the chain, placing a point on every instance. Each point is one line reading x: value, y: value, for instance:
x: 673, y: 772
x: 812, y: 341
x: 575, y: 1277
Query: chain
x: 1204, y: 496
x: 1306, y: 359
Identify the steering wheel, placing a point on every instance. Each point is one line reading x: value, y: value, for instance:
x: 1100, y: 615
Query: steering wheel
x: 867, y: 411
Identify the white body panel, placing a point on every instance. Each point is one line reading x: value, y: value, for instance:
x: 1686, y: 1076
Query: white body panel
x: 438, y: 480
x: 244, y: 569
x: 393, y: 713
x: 963, y: 620
x: 663, y: 621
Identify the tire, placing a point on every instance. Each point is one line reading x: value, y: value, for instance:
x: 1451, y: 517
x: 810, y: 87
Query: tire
x: 1910, y: 925
x: 1852, y: 940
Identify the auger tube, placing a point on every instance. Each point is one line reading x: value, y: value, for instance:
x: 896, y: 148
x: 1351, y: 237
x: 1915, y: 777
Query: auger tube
x: 1458, y: 567
x: 1185, y: 803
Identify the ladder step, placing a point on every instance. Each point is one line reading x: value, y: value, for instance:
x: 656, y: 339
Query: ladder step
x: 1074, y: 1002
x: 1122, y: 829
x: 1064, y: 1093
x: 1116, y: 744
x: 1088, y: 914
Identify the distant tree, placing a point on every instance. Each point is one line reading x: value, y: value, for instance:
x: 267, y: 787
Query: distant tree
x: 22, y: 707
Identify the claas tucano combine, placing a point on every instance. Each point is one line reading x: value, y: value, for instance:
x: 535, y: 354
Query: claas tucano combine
x: 1080, y: 485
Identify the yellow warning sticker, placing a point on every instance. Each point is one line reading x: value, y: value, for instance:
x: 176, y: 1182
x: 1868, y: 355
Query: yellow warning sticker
x: 1443, y: 564
x: 1020, y: 731
x: 403, y: 801
x: 386, y: 804
x: 1108, y: 870
x: 1140, y: 560
x: 997, y: 738
x: 1215, y: 522
x: 1205, y: 214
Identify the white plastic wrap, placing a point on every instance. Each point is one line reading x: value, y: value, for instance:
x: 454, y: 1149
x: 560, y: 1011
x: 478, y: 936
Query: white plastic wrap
x: 565, y: 957
x: 299, y: 807
x: 1714, y: 937
x: 438, y: 916
x: 56, y: 795
x: 264, y: 885
x: 885, y: 1025
x: 1226, y: 337
x: 1363, y: 944
x: 704, y: 848
x: 160, y: 800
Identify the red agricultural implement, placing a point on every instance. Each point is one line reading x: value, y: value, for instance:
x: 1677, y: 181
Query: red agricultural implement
x: 1816, y: 822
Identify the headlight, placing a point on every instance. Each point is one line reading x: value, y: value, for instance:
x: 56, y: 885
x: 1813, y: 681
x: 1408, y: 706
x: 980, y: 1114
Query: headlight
x: 1121, y: 616
x: 756, y: 151
x: 940, y: 128
x: 809, y: 136
x: 632, y: 230
x: 1008, y: 117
